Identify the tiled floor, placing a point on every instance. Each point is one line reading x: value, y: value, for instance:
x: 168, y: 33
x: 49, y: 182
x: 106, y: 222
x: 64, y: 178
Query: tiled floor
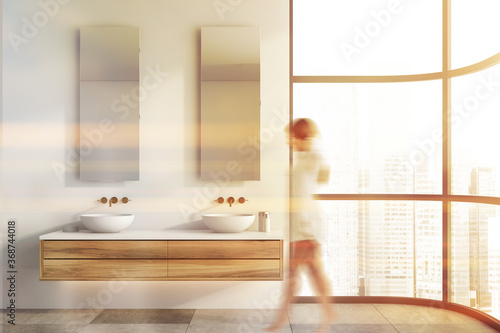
x: 362, y: 318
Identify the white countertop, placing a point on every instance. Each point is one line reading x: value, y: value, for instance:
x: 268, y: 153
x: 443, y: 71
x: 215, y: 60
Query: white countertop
x: 130, y: 234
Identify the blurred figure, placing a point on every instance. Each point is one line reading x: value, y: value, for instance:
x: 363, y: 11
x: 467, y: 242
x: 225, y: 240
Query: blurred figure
x: 309, y: 170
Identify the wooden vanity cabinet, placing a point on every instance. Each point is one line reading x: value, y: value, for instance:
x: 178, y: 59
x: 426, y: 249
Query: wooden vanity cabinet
x: 90, y: 260
x: 227, y: 259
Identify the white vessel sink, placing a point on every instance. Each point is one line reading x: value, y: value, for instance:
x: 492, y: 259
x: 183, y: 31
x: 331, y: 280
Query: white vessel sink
x: 228, y: 222
x: 107, y: 222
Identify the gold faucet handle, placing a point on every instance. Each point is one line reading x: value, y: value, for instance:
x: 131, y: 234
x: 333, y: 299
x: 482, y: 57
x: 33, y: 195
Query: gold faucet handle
x: 125, y: 200
x: 242, y: 200
x: 220, y: 200
x: 113, y: 200
x: 103, y: 200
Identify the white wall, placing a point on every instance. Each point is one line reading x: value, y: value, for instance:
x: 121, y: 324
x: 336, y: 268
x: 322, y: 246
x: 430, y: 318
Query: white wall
x: 40, y: 139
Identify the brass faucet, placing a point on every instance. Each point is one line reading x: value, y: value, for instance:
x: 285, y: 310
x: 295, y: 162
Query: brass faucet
x: 113, y: 200
x: 231, y: 200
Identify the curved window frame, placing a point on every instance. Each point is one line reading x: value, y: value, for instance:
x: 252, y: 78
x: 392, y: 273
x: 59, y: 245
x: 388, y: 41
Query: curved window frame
x: 446, y: 198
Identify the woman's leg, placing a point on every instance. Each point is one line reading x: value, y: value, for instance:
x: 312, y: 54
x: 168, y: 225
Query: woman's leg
x: 290, y: 287
x: 323, y: 291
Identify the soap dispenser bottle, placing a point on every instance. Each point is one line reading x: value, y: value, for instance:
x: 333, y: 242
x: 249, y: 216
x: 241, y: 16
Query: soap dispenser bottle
x: 264, y: 221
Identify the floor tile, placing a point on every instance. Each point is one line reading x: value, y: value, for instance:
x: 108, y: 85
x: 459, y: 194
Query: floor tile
x: 353, y: 318
x: 144, y: 316
x: 42, y: 328
x: 232, y: 328
x: 346, y: 328
x: 347, y: 314
x: 415, y: 314
x: 63, y: 317
x: 250, y: 317
x: 304, y: 314
x: 135, y: 328
x: 445, y: 328
x: 234, y: 321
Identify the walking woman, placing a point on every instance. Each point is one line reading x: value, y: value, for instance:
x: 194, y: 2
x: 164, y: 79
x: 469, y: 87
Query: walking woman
x: 309, y: 170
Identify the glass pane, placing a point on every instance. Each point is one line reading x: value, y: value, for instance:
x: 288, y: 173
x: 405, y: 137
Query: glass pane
x: 381, y: 248
x: 366, y: 37
x: 474, y: 31
x: 475, y: 257
x: 377, y: 137
x: 474, y: 122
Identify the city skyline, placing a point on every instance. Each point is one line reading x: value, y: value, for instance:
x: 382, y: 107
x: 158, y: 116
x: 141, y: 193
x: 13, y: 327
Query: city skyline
x: 396, y: 244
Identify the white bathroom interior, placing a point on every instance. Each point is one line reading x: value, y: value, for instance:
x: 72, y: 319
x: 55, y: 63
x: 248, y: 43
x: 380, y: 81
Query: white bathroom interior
x: 41, y: 185
x: 48, y: 175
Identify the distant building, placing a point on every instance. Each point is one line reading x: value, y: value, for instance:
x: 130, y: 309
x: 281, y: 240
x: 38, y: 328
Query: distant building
x: 482, y: 183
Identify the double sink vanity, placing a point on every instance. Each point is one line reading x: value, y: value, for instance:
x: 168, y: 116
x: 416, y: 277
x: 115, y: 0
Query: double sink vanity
x: 229, y: 81
x: 161, y: 255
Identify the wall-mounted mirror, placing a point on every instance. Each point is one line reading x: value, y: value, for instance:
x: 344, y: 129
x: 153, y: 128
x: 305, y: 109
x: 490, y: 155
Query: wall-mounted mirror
x: 230, y: 103
x: 109, y: 103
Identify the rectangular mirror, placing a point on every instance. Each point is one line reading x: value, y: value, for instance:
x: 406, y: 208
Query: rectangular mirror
x: 109, y: 113
x: 109, y: 54
x: 230, y: 103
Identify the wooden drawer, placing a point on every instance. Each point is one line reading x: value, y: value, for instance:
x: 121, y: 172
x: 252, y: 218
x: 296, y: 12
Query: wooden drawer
x: 92, y: 260
x: 251, y: 249
x: 101, y: 269
x: 250, y: 269
x: 90, y: 249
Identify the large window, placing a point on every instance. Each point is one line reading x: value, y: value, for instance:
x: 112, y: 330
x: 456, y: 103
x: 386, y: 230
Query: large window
x: 366, y: 37
x: 475, y: 117
x: 407, y: 98
x: 377, y: 134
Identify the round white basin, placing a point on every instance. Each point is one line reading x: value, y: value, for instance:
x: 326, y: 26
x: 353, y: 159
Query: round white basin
x: 107, y: 222
x: 228, y: 222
